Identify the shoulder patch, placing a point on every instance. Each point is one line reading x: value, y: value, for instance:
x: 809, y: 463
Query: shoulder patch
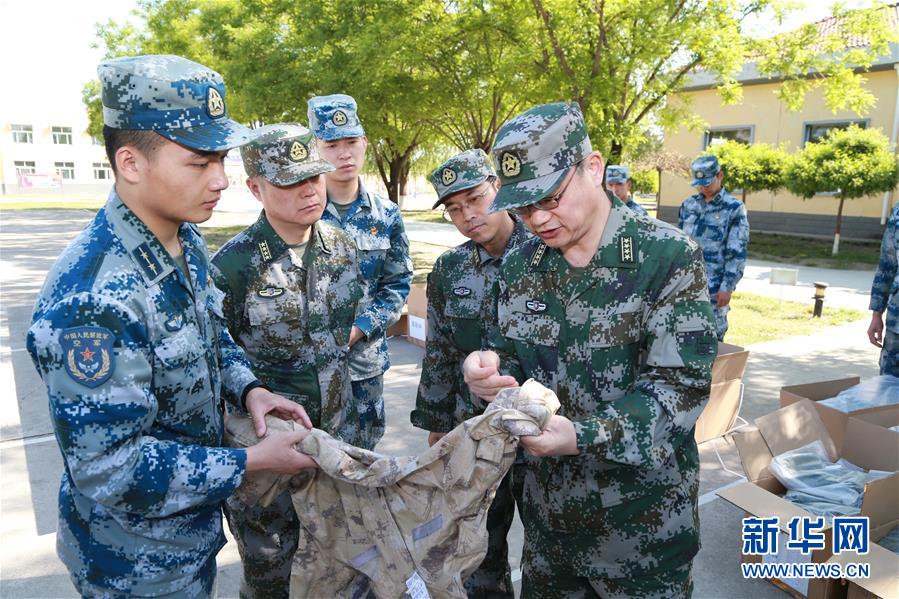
x: 89, y: 359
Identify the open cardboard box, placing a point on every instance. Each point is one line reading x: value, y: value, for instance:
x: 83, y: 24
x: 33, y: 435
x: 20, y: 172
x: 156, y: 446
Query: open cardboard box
x: 723, y: 406
x: 863, y: 443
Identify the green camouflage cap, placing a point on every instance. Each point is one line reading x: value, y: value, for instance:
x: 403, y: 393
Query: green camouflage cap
x: 534, y: 150
x: 463, y: 171
x: 283, y: 154
x: 178, y: 98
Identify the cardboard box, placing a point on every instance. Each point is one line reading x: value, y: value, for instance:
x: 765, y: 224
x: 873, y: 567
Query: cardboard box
x: 725, y: 395
x: 863, y: 443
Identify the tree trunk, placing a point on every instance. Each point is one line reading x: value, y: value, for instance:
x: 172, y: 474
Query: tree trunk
x: 614, y: 156
x: 744, y: 196
x: 836, y: 236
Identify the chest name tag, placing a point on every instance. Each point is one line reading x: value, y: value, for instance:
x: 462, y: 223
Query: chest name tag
x: 270, y: 292
x: 535, y: 306
x: 462, y: 291
x: 626, y: 245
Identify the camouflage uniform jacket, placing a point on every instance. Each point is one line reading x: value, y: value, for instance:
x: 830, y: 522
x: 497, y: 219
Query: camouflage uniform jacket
x: 134, y: 355
x: 722, y: 230
x: 627, y: 344
x: 375, y: 225
x: 292, y: 314
x: 885, y: 289
x: 461, y: 309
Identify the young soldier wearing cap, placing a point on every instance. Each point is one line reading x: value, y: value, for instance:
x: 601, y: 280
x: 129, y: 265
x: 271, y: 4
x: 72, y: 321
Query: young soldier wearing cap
x: 717, y: 220
x: 291, y: 288
x: 461, y: 314
x: 610, y: 310
x: 619, y: 182
x: 375, y: 225
x: 129, y: 338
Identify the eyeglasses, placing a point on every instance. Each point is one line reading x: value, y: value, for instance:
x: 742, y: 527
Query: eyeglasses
x: 549, y: 202
x: 455, y: 211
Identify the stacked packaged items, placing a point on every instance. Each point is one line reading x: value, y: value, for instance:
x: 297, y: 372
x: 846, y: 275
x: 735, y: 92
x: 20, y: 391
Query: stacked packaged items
x: 875, y: 392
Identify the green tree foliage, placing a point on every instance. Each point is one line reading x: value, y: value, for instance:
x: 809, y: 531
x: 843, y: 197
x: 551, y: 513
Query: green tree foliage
x: 852, y: 163
x: 90, y: 96
x: 645, y: 181
x: 759, y: 167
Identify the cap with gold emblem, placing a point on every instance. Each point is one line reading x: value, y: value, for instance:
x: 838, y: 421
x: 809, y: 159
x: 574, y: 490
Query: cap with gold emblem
x: 178, y: 98
x: 534, y: 150
x: 283, y: 154
x: 334, y: 117
x: 463, y: 171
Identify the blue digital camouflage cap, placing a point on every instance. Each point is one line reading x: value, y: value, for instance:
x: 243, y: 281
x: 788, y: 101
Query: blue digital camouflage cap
x: 534, y: 151
x: 463, y: 171
x: 704, y: 170
x: 178, y: 98
x: 334, y: 117
x: 616, y: 173
x: 283, y: 154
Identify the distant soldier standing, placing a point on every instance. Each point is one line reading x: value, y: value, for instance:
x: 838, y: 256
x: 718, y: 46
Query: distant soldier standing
x: 461, y: 318
x: 619, y: 182
x: 885, y: 297
x: 291, y: 288
x: 717, y: 220
x: 376, y: 227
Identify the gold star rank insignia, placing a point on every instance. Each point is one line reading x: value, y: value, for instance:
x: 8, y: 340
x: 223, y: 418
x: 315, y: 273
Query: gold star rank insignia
x: 448, y: 176
x: 510, y: 164
x: 215, y: 104
x: 339, y: 118
x: 298, y: 152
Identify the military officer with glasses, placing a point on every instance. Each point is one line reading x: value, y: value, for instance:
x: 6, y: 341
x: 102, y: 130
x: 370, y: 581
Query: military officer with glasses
x: 461, y: 316
x: 609, y: 309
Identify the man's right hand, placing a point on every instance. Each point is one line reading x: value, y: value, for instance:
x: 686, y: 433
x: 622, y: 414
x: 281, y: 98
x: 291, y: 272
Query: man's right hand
x: 481, y: 370
x: 434, y: 437
x: 276, y: 453
x: 875, y: 329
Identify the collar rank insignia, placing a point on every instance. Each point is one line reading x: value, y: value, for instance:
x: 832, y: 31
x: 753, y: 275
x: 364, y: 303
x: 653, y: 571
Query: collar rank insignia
x: 147, y: 260
x: 263, y: 249
x: 462, y: 291
x: 535, y: 306
x: 510, y: 164
x: 626, y: 246
x: 89, y: 358
x: 448, y: 176
x: 339, y: 118
x: 538, y: 255
x: 174, y: 323
x: 215, y: 104
x: 298, y: 152
x: 270, y: 291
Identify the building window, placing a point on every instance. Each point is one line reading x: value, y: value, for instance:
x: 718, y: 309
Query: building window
x: 717, y: 135
x: 25, y: 167
x: 815, y: 132
x: 22, y: 134
x: 66, y: 170
x: 102, y: 172
x: 62, y: 135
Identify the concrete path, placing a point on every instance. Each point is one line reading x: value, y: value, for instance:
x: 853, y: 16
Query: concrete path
x: 31, y: 465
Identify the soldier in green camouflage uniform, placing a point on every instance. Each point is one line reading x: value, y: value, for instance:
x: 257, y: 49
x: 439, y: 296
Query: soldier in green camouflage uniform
x: 461, y: 312
x: 291, y: 289
x: 610, y: 310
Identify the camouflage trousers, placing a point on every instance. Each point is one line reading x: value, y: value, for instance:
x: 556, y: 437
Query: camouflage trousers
x: 889, y: 355
x: 493, y: 578
x: 721, y: 319
x: 368, y: 395
x: 203, y: 587
x: 266, y: 538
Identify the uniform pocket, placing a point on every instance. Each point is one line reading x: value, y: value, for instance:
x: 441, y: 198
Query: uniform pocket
x: 181, y: 381
x: 614, y: 348
x: 372, y: 252
x: 464, y: 319
x: 268, y: 310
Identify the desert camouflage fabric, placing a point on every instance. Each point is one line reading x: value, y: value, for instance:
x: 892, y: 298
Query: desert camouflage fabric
x: 398, y: 523
x: 283, y: 154
x: 463, y: 171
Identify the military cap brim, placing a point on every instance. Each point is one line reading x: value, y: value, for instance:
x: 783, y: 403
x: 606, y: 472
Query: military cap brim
x: 461, y: 187
x: 525, y: 193
x: 223, y: 134
x: 299, y: 172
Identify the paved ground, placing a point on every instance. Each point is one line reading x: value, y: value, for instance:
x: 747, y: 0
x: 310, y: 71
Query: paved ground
x: 31, y: 465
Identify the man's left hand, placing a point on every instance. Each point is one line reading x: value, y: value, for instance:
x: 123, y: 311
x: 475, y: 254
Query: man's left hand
x: 723, y: 298
x: 558, y: 438
x: 261, y: 401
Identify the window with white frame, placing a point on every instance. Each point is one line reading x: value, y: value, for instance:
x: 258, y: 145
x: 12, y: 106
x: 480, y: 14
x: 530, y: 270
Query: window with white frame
x: 22, y: 134
x: 66, y: 170
x: 102, y: 172
x: 25, y: 167
x: 716, y: 135
x: 816, y: 131
x: 62, y: 135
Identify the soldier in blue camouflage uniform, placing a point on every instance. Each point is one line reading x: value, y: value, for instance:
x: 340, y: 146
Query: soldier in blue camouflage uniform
x: 129, y: 337
x: 461, y: 315
x: 610, y: 310
x: 291, y: 288
x: 375, y: 225
x: 619, y: 182
x: 885, y: 297
x: 717, y: 220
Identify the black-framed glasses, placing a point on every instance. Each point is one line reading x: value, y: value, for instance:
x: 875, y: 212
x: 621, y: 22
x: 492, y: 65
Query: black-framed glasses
x: 547, y: 203
x: 455, y: 211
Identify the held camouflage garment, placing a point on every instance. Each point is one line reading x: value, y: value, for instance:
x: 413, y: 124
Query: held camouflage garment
x: 135, y: 353
x: 292, y: 311
x: 885, y: 295
x: 405, y: 525
x: 627, y: 344
x: 722, y: 230
x: 376, y: 227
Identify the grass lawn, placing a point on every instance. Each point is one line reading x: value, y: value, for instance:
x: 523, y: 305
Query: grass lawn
x: 52, y: 205
x: 813, y: 252
x: 217, y: 236
x: 425, y: 216
x: 755, y: 318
